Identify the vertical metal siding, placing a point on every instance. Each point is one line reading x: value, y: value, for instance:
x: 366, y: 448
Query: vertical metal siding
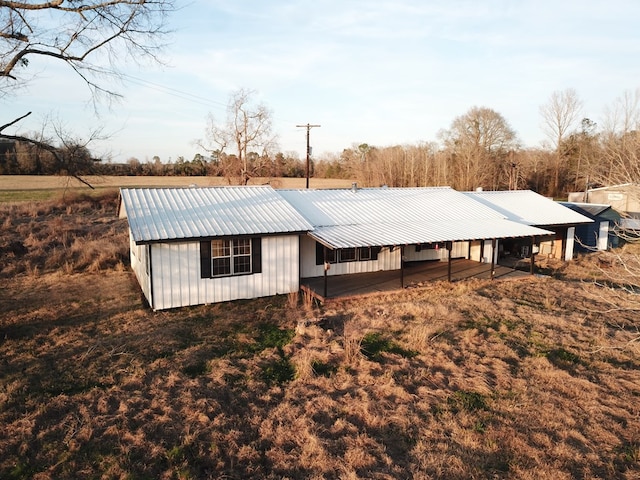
x: 177, y: 274
x: 475, y: 251
x: 568, y: 253
x: 137, y: 255
x: 460, y: 250
x: 603, y: 235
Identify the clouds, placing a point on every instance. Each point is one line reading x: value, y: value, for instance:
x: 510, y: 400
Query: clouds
x: 380, y: 72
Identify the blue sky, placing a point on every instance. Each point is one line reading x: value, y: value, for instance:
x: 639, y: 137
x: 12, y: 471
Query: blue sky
x: 381, y: 72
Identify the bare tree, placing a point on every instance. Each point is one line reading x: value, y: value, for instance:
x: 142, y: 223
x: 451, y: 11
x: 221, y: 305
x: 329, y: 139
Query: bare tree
x: 247, y: 131
x: 477, y: 142
x: 91, y: 37
x: 559, y: 116
x: 621, y: 142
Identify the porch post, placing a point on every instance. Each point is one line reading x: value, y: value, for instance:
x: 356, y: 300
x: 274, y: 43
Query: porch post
x: 533, y: 255
x: 324, y: 250
x: 449, y: 248
x: 402, y: 267
x: 493, y: 258
x: 481, y: 250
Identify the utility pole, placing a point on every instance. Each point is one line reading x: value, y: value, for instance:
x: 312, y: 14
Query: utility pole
x: 308, y: 127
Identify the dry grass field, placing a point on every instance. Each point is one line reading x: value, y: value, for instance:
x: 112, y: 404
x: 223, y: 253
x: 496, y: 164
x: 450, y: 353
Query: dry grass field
x: 530, y: 379
x: 43, y: 187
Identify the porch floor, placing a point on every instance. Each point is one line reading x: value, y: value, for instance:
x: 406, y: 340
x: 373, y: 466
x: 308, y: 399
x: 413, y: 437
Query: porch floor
x: 358, y: 284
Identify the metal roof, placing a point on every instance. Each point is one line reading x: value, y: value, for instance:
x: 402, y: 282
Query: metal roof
x: 528, y: 207
x: 594, y: 209
x: 378, y: 235
x: 160, y: 214
x: 384, y: 205
x: 398, y: 216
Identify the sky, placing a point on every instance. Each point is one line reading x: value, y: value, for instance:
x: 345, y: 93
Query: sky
x: 382, y: 72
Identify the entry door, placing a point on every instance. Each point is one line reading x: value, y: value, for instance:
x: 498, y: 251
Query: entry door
x: 603, y: 236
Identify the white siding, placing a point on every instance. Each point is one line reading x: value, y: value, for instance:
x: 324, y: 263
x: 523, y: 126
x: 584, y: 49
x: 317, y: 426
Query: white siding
x: 139, y: 264
x: 387, y: 260
x: 411, y: 255
x: 475, y: 251
x: 603, y: 235
x: 568, y: 252
x: 177, y: 282
x: 459, y: 250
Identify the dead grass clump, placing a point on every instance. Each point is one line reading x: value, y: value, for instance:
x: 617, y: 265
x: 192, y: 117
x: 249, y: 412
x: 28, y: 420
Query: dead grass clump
x: 68, y: 235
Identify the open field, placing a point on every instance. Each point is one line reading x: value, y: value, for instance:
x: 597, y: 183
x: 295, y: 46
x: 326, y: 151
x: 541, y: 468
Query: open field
x: 530, y: 379
x: 42, y: 187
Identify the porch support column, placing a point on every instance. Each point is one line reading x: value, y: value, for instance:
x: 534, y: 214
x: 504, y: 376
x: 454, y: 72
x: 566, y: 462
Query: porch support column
x: 449, y: 248
x: 324, y: 250
x: 401, y: 267
x: 493, y: 258
x: 481, y: 251
x: 533, y: 256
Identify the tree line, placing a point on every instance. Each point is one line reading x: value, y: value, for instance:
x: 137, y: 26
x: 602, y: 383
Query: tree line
x: 478, y: 150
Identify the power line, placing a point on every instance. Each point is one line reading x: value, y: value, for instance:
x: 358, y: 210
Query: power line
x: 308, y: 126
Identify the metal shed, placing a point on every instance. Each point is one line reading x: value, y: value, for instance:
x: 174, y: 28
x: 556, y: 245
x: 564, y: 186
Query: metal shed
x: 601, y: 233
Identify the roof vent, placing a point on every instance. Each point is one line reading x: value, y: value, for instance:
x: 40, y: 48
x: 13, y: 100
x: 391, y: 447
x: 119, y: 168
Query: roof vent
x: 354, y: 187
x: 478, y: 189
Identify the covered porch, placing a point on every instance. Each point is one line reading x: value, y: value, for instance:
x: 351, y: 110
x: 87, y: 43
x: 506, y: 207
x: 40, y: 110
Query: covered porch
x: 412, y: 274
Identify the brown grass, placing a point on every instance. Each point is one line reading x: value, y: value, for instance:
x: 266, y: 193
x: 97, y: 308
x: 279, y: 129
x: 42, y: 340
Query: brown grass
x: 46, y: 182
x: 531, y: 379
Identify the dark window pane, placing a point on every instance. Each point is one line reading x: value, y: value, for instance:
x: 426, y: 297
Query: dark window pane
x: 347, y: 254
x: 365, y: 253
x: 242, y: 264
x: 221, y: 266
x: 242, y: 247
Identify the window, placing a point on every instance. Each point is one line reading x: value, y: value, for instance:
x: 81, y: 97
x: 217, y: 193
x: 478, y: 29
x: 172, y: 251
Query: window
x: 221, y: 256
x: 225, y: 257
x: 364, y: 253
x: 361, y: 254
x: 348, y: 255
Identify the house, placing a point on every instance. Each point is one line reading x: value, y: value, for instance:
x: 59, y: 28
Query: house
x: 601, y: 234
x: 530, y: 208
x: 192, y: 246
x: 370, y: 229
x: 203, y: 245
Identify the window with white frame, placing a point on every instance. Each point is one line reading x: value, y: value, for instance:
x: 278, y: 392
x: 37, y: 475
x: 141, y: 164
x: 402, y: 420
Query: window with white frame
x: 226, y: 257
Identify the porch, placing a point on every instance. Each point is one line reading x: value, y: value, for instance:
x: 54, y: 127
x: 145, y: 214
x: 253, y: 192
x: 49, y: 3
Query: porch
x: 415, y: 273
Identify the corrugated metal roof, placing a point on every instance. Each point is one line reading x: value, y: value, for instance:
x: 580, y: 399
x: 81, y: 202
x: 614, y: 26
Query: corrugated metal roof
x: 384, y: 205
x: 530, y: 208
x: 399, y: 216
x: 378, y: 235
x: 594, y: 209
x: 159, y: 214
